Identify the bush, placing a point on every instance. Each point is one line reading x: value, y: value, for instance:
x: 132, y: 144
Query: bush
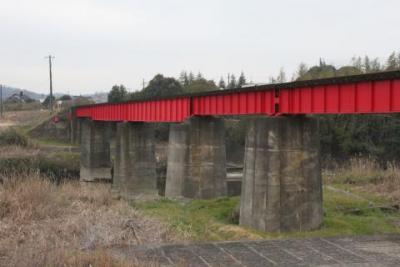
x: 60, y: 166
x: 56, y: 166
x: 366, y: 171
x: 12, y: 136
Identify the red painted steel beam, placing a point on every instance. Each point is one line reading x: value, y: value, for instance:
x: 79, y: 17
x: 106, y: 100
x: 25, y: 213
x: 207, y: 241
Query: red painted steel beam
x: 368, y: 97
x: 359, y: 94
x: 162, y: 110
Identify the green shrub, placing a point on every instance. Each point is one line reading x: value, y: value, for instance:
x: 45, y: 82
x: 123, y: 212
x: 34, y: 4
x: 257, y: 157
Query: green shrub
x: 60, y: 165
x: 12, y: 136
x: 56, y: 166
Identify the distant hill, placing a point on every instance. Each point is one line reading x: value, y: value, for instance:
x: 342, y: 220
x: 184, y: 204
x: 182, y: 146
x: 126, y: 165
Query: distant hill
x: 9, y: 91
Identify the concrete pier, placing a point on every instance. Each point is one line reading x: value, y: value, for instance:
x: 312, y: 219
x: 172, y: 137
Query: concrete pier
x: 95, y: 150
x: 282, y: 186
x: 75, y: 124
x: 135, y: 164
x: 197, y: 159
x: 120, y: 157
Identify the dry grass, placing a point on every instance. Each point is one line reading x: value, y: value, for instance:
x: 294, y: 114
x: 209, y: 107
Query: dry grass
x: 25, y: 117
x: 367, y: 175
x: 42, y: 224
x: 14, y: 151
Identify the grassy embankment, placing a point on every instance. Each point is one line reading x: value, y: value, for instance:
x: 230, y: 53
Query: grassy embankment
x: 26, y: 121
x: 43, y: 223
x: 20, y: 154
x: 358, y: 200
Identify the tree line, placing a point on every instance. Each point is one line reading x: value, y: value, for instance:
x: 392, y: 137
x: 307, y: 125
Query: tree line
x: 342, y: 136
x: 161, y: 86
x: 188, y: 82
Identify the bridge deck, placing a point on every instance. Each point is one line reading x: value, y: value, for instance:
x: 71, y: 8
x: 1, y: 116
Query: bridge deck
x: 377, y: 93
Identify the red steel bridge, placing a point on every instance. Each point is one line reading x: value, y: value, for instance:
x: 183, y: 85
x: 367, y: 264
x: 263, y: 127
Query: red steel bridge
x: 376, y: 93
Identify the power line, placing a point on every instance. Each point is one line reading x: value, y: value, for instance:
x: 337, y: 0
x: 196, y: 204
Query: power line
x: 50, y: 57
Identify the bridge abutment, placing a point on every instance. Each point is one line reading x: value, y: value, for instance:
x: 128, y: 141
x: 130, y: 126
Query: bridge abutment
x: 282, y: 186
x: 95, y: 150
x: 197, y: 159
x: 135, y: 163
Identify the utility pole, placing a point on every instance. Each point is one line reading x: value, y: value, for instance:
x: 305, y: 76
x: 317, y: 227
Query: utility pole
x: 50, y: 57
x: 143, y: 84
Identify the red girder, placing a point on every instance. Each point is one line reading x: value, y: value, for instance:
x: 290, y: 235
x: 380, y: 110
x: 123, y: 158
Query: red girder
x: 163, y: 110
x: 360, y: 94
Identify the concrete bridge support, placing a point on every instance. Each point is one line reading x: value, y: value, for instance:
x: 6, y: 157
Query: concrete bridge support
x: 135, y: 164
x: 197, y: 159
x: 282, y: 187
x: 74, y: 128
x: 95, y: 150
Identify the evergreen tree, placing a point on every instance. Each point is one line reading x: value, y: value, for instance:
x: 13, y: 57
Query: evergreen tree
x: 190, y: 77
x: 301, y: 71
x: 367, y: 65
x: 281, y: 77
x: 322, y: 62
x: 183, y: 78
x: 357, y: 63
x: 232, y: 83
x: 242, y: 80
x: 199, y: 76
x: 398, y: 61
x: 375, y: 65
x: 221, y: 83
x: 392, y: 62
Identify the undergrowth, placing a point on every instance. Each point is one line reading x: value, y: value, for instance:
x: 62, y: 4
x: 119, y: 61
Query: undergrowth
x: 366, y: 176
x: 13, y: 136
x: 195, y: 220
x: 42, y: 224
x: 57, y: 166
x: 205, y: 220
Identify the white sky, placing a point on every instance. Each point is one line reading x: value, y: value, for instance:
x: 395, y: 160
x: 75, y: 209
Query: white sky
x: 105, y: 42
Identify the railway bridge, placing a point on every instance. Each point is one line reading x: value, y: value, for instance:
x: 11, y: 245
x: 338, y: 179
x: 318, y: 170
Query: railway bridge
x: 281, y: 186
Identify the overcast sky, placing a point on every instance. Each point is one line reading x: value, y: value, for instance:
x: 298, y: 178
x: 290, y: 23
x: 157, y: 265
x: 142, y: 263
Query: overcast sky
x: 98, y: 43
